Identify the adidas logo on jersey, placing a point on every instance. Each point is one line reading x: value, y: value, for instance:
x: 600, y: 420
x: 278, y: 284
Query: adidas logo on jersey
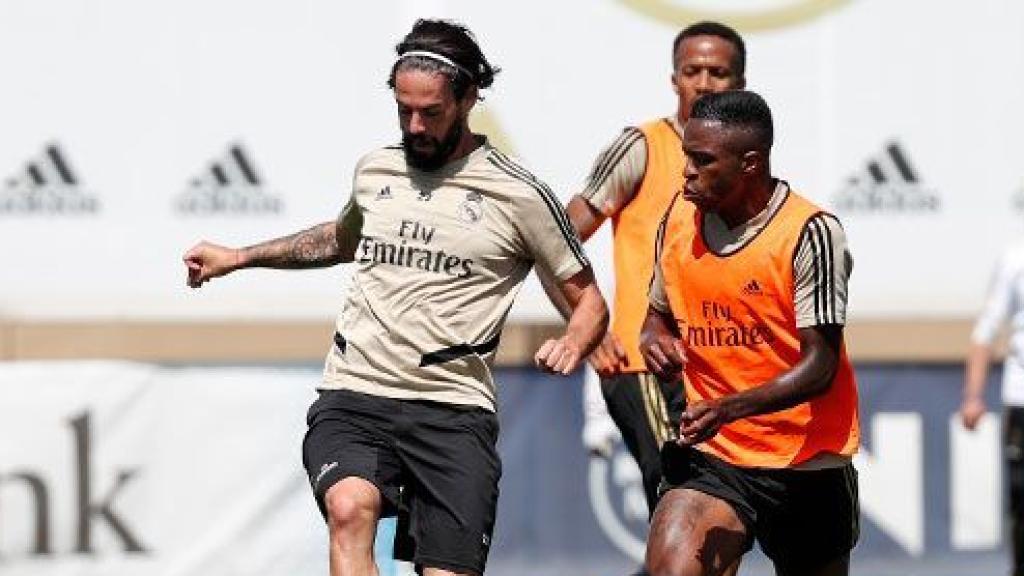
x: 752, y: 288
x: 384, y: 194
x: 47, y: 185
x: 229, y: 185
x: 888, y: 183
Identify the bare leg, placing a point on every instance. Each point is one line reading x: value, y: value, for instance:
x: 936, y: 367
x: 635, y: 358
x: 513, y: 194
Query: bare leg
x: 694, y: 534
x: 353, y: 508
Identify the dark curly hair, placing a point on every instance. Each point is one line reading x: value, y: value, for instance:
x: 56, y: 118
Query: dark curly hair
x: 452, y: 41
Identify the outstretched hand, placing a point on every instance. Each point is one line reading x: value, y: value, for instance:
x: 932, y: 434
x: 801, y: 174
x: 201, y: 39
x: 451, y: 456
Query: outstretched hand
x: 558, y: 356
x: 206, y: 261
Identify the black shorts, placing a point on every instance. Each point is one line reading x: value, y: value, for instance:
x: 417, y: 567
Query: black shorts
x: 802, y: 519
x: 647, y: 412
x: 435, y: 465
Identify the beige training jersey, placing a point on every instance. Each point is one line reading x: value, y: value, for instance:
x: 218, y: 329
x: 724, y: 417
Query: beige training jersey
x: 441, y: 258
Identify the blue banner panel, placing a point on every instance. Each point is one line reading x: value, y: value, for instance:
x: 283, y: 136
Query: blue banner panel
x: 560, y: 508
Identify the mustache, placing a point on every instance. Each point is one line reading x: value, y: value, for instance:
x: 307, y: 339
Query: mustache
x: 421, y: 139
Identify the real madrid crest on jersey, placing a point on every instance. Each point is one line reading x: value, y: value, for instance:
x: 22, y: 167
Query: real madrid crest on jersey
x: 472, y: 208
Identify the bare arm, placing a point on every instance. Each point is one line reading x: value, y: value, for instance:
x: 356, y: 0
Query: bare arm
x: 322, y: 245
x: 812, y: 376
x: 587, y: 324
x: 975, y: 379
x: 311, y: 248
x: 609, y: 356
x: 613, y: 181
x: 585, y: 220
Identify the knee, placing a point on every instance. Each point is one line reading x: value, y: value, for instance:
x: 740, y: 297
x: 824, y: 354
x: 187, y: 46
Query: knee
x: 348, y: 510
x: 664, y: 562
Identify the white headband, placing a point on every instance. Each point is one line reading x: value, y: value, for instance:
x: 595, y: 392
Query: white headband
x: 433, y: 56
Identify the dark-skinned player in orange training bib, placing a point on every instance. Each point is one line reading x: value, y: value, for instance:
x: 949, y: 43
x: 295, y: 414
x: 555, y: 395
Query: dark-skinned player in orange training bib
x: 747, y: 306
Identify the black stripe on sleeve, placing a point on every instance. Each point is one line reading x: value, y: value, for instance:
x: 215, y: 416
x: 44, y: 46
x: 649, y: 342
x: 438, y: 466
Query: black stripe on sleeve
x: 517, y: 172
x: 602, y: 160
x: 612, y: 157
x: 524, y: 175
x: 824, y: 270
x: 828, y: 311
x: 824, y: 265
x: 808, y: 237
x: 830, y: 278
x: 658, y: 248
x: 659, y: 239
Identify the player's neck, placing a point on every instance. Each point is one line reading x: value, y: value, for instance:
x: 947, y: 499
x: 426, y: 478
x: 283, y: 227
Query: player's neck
x: 467, y: 143
x: 752, y: 202
x: 682, y: 116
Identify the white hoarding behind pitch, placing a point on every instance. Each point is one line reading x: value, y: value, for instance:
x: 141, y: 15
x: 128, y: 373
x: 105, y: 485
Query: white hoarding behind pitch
x: 132, y: 130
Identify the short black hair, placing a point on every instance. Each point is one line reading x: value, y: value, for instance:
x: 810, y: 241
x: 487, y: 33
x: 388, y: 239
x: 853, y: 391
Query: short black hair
x: 740, y: 109
x: 452, y: 41
x: 720, y: 30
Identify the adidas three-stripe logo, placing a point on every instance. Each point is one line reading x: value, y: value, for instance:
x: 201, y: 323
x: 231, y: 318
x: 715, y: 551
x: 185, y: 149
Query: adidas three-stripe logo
x: 610, y: 158
x: 48, y: 184
x: 888, y: 183
x: 229, y: 185
x: 823, y: 257
x: 752, y: 288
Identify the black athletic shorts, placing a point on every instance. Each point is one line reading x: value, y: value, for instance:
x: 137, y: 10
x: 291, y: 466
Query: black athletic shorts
x: 802, y: 519
x: 435, y: 465
x: 647, y: 412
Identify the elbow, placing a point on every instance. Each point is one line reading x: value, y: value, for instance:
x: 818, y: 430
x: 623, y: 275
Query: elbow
x: 822, y: 381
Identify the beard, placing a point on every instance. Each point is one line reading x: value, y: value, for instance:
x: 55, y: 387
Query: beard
x: 439, y: 150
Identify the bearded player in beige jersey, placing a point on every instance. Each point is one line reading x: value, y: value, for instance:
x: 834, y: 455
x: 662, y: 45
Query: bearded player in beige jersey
x: 442, y: 229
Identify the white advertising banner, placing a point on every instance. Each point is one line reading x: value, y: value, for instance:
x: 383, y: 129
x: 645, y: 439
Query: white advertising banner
x: 122, y: 469
x: 134, y: 129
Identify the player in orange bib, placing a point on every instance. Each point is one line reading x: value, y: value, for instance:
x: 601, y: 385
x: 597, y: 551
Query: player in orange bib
x: 748, y: 305
x: 632, y: 183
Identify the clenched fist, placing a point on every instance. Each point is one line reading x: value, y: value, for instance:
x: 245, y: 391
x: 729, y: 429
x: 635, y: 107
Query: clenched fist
x: 206, y: 261
x: 609, y: 358
x: 558, y: 356
x: 663, y: 354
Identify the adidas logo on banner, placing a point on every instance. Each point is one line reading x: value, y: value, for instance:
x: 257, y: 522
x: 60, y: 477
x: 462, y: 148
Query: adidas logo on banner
x: 230, y: 185
x: 47, y: 185
x: 889, y: 183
